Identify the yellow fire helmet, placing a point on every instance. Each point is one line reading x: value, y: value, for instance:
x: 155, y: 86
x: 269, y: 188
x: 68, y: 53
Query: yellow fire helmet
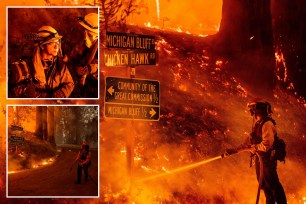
x: 90, y: 22
x: 47, y: 34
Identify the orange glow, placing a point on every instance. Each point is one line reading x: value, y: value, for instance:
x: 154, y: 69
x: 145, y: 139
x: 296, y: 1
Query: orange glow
x: 43, y: 163
x: 198, y: 17
x: 186, y: 17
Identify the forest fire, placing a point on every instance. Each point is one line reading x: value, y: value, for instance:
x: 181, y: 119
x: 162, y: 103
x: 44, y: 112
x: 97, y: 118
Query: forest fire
x: 43, y: 163
x: 202, y: 113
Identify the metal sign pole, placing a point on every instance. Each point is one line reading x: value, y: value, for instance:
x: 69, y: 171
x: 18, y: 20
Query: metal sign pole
x: 130, y: 140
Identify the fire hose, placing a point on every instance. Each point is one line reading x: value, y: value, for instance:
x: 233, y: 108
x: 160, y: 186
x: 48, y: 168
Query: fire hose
x: 260, y: 167
x: 191, y: 166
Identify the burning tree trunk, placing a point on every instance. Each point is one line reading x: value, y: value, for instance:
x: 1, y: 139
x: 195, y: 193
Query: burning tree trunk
x: 51, y: 126
x: 246, y: 35
x: 44, y: 123
x: 39, y: 126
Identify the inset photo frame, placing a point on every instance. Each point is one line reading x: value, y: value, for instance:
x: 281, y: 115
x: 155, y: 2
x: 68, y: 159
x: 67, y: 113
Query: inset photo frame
x: 52, y: 151
x: 53, y: 52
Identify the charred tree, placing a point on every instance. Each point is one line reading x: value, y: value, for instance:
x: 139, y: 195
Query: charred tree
x: 39, y: 125
x: 246, y: 25
x: 51, y: 125
x: 116, y: 12
x: 109, y: 10
x: 246, y: 38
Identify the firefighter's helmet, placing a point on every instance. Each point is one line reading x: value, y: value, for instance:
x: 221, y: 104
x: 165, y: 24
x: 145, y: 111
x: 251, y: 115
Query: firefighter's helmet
x: 90, y: 22
x: 47, y: 34
x: 260, y: 107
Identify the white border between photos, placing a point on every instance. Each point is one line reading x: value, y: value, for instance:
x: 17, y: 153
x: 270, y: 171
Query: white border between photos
x: 6, y: 56
x: 6, y: 154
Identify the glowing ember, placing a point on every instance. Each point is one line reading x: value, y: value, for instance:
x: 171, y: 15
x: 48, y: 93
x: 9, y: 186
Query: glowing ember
x: 203, y: 35
x: 11, y: 172
x: 148, y: 24
x: 282, y: 75
x: 165, y: 170
x: 179, y: 29
x: 219, y: 62
x: 183, y: 87
x: 123, y: 150
x: 137, y: 158
x: 45, y: 163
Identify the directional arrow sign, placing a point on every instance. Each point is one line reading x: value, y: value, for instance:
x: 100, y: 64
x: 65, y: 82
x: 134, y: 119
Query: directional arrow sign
x: 132, y: 91
x: 128, y: 111
x: 132, y: 98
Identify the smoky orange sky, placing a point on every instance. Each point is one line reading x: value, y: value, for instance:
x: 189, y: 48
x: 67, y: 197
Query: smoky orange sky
x: 198, y: 16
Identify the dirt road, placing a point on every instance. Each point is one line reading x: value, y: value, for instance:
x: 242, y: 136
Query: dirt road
x: 55, y: 179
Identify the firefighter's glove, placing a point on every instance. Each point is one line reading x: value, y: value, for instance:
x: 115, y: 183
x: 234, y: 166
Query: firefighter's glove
x: 82, y: 70
x: 230, y: 151
x: 58, y: 94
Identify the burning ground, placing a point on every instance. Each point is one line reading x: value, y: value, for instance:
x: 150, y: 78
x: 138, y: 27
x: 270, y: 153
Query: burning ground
x: 203, y: 112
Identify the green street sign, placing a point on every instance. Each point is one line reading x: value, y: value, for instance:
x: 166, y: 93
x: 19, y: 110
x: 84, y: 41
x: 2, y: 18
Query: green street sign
x: 16, y: 140
x: 115, y: 58
x: 132, y: 98
x: 130, y: 41
x: 128, y: 111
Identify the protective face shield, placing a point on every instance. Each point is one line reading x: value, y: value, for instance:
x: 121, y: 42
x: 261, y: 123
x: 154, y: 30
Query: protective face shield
x: 90, y: 38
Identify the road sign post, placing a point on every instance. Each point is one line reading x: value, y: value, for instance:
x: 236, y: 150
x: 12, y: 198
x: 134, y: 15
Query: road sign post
x: 130, y: 98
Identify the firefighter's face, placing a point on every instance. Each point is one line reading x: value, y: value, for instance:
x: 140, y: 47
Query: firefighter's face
x: 51, y: 49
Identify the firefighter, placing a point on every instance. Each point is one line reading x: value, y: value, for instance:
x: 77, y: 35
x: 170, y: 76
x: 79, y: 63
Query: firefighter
x: 83, y: 160
x: 261, y: 140
x: 84, y: 58
x: 45, y: 75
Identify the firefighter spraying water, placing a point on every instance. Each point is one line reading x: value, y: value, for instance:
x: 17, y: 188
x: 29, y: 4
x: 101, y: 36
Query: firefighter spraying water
x: 266, y: 149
